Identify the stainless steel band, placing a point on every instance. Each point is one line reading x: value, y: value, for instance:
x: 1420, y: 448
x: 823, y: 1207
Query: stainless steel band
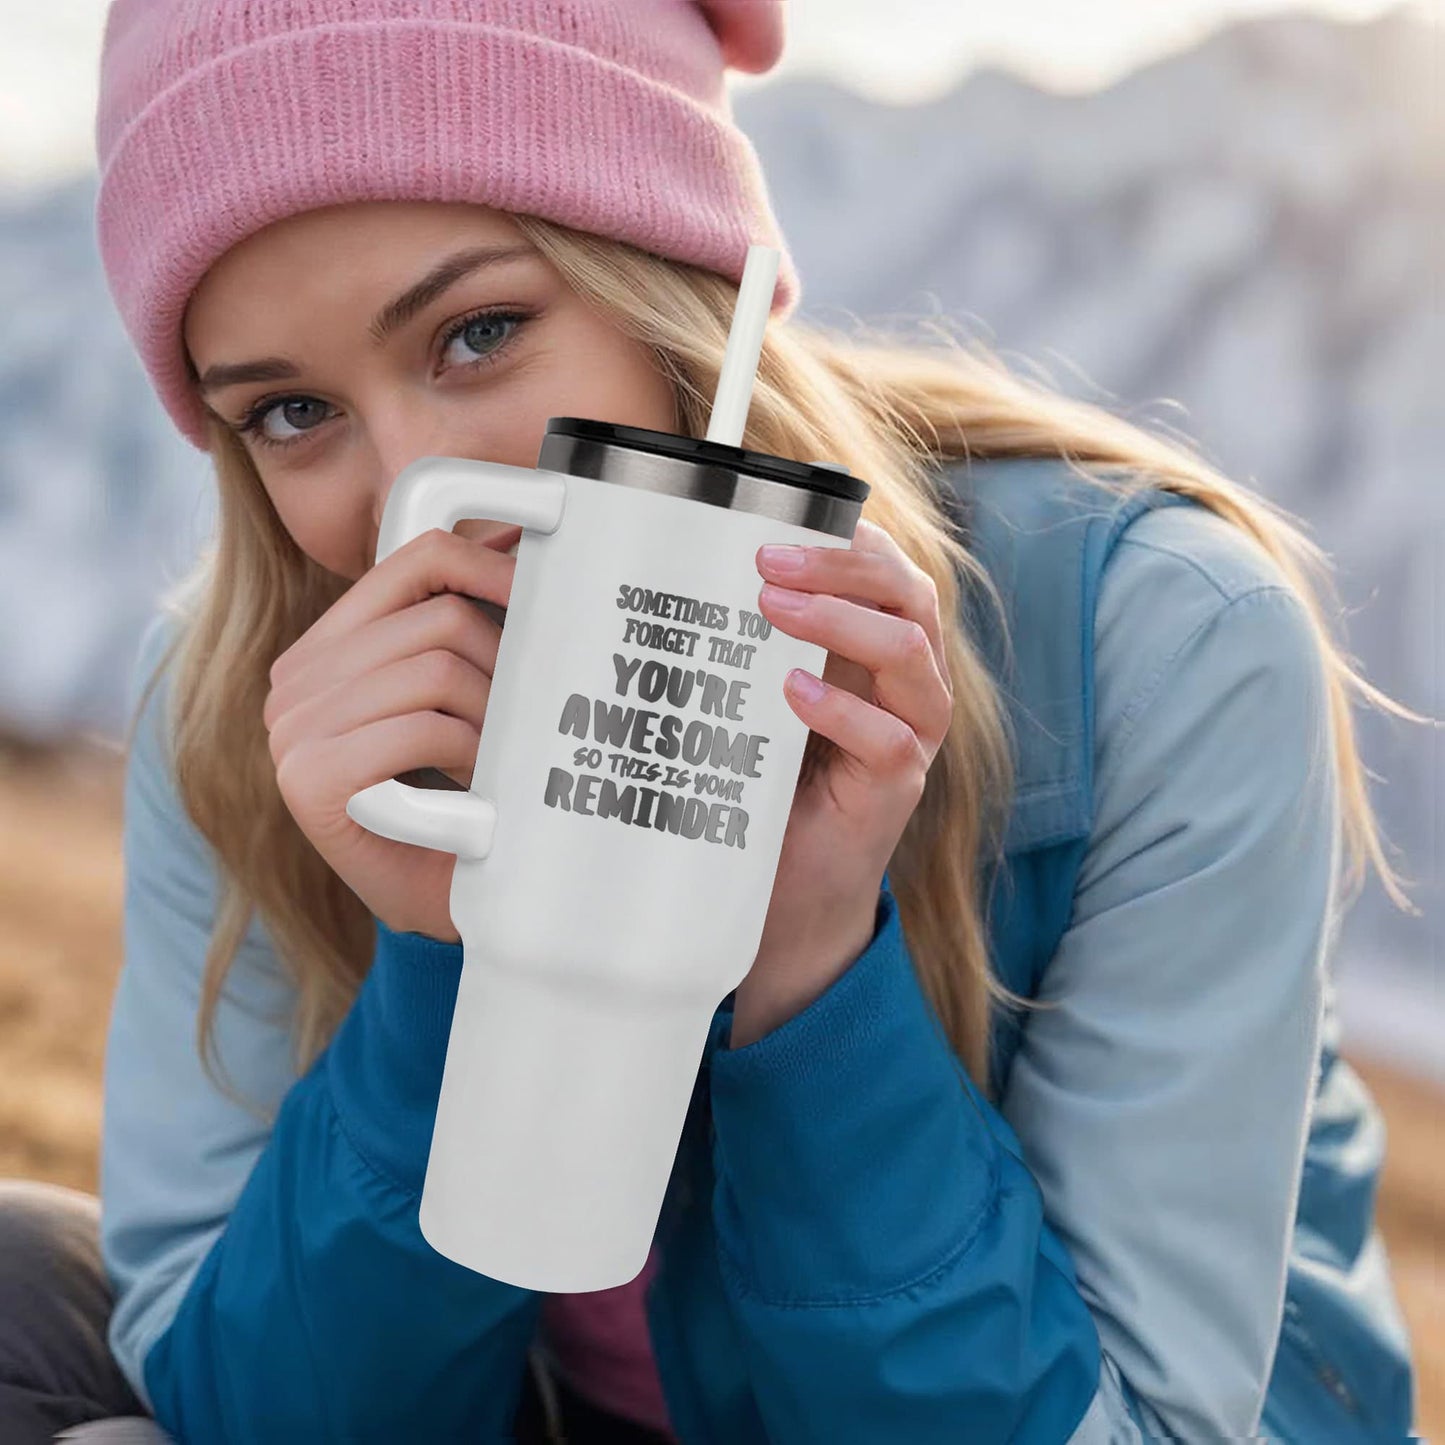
x: 700, y: 482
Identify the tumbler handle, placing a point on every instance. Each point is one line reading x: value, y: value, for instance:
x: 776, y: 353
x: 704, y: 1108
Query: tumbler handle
x: 440, y: 491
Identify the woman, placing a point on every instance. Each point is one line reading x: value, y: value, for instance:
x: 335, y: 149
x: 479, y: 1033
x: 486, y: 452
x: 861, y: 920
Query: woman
x: 1027, y: 1122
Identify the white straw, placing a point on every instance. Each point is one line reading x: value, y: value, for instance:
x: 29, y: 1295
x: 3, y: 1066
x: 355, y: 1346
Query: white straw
x: 745, y: 343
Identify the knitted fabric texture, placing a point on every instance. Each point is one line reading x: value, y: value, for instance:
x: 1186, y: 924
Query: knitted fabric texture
x: 611, y: 116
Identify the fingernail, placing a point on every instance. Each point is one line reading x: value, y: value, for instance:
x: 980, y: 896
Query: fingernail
x: 805, y: 684
x: 785, y: 558
x: 784, y: 597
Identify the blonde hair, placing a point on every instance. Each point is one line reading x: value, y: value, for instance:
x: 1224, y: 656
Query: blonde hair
x: 890, y: 412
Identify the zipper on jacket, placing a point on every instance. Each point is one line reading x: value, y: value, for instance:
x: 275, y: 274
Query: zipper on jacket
x: 1325, y: 1372
x: 547, y: 1392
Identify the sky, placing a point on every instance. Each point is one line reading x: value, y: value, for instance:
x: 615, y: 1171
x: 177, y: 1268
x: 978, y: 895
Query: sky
x: 49, y: 55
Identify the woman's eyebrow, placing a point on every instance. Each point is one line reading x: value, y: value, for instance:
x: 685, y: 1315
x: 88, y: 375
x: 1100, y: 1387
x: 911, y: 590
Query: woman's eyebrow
x: 445, y: 274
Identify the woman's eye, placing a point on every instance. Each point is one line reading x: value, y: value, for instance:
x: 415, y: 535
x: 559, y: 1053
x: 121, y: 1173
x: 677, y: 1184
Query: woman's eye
x: 472, y: 332
x: 305, y: 413
x: 291, y: 408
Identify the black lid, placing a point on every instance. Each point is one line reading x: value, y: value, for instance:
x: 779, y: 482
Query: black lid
x: 828, y: 480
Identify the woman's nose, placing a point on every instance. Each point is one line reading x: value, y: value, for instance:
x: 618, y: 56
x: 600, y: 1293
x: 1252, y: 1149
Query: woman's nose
x: 395, y: 454
x: 404, y: 423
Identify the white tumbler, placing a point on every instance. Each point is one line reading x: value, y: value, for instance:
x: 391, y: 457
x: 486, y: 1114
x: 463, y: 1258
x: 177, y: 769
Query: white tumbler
x: 617, y: 849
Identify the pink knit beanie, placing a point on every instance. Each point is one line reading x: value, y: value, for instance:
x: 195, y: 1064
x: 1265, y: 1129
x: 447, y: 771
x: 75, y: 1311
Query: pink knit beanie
x: 217, y: 117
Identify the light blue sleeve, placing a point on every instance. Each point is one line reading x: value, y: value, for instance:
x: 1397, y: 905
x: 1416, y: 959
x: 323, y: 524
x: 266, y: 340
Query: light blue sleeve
x: 1102, y: 1258
x: 174, y: 1150
x: 270, y: 1276
x: 1162, y: 1101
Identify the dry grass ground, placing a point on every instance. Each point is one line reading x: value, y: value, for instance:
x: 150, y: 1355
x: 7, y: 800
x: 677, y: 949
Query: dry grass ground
x: 60, y: 909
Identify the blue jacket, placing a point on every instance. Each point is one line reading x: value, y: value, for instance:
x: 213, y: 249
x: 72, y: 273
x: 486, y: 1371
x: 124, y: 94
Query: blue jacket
x: 1163, y: 1229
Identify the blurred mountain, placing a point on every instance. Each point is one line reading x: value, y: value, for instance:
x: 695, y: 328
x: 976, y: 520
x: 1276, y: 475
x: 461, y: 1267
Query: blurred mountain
x: 1240, y: 243
x: 100, y: 498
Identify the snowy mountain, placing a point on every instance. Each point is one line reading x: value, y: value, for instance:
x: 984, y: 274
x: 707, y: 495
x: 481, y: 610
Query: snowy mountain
x: 1241, y: 243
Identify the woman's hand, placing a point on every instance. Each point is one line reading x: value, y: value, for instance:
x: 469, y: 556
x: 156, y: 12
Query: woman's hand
x: 887, y: 704
x: 393, y: 677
